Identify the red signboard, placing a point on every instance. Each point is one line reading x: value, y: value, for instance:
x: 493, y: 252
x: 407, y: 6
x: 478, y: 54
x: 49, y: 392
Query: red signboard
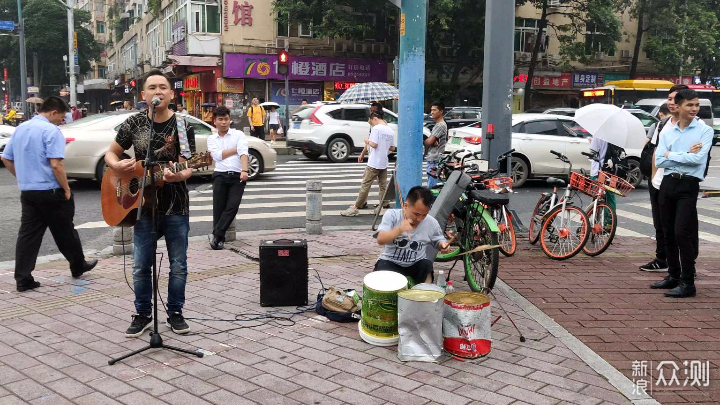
x: 344, y: 85
x: 520, y: 78
x: 192, y: 82
x: 7, y: 93
x: 561, y: 81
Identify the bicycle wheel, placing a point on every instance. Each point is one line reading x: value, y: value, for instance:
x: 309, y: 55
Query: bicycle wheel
x: 480, y: 267
x: 560, y: 243
x: 536, y: 220
x: 453, y: 227
x: 506, y: 237
x: 603, y: 224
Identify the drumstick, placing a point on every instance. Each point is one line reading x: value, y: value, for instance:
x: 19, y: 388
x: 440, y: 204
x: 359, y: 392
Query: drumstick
x: 478, y: 249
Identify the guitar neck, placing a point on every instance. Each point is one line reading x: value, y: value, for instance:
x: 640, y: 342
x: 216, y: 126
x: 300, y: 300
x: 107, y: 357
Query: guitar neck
x: 175, y: 167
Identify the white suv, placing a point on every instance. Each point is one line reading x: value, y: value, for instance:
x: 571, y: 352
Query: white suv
x: 335, y: 130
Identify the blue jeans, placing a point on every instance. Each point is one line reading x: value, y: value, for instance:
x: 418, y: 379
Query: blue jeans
x: 431, y: 181
x: 175, y: 228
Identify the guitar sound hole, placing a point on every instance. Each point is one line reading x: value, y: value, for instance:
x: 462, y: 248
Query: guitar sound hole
x: 134, y: 186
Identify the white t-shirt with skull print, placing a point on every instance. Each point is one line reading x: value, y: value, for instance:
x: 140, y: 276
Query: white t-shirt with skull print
x: 410, y: 247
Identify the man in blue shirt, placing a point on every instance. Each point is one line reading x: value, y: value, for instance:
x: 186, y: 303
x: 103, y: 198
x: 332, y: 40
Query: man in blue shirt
x: 35, y: 155
x: 684, y: 166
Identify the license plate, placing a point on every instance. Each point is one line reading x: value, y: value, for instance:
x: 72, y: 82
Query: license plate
x: 455, y: 141
x: 296, y: 125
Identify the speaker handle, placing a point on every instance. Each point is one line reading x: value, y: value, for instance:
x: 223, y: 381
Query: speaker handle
x: 281, y: 241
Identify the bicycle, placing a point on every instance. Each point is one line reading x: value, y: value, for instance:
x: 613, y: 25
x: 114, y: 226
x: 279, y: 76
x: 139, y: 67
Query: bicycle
x: 560, y: 225
x: 602, y: 217
x: 473, y: 229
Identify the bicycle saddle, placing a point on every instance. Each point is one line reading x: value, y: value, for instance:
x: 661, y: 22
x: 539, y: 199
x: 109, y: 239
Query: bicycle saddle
x: 488, y: 197
x: 555, y: 182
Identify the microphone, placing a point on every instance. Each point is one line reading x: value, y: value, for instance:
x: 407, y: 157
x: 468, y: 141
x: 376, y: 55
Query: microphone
x: 155, y: 101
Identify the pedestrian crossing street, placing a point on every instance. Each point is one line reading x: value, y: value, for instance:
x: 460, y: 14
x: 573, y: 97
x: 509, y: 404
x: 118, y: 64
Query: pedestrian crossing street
x: 277, y: 200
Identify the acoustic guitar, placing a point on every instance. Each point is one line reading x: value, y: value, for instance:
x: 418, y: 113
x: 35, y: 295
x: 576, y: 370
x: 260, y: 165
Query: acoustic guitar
x: 120, y: 192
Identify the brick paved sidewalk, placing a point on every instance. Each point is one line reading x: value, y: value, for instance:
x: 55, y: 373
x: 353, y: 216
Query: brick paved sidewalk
x: 55, y: 342
x: 606, y: 303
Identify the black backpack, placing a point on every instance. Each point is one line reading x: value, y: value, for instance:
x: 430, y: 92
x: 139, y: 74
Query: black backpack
x: 648, y: 153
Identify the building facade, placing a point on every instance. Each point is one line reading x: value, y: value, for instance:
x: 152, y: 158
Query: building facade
x: 225, y: 53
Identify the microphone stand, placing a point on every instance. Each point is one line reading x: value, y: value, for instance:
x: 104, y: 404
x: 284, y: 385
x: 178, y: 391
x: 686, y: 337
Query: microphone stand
x: 156, y: 341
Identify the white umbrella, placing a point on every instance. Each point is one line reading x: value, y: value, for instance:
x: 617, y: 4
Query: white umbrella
x: 612, y: 124
x: 270, y: 104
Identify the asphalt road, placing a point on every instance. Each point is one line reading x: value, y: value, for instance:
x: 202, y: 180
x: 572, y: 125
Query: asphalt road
x: 277, y: 200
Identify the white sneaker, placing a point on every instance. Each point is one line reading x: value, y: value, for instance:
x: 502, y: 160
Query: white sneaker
x: 272, y: 142
x: 350, y: 212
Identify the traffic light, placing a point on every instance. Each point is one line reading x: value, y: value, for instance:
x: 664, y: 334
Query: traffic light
x: 3, y: 85
x: 132, y: 83
x: 283, y: 62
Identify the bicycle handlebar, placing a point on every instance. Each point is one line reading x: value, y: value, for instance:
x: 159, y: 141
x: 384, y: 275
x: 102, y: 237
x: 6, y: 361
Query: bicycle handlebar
x: 558, y: 154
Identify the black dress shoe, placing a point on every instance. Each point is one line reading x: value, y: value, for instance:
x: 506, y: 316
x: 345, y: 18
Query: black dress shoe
x: 217, y: 244
x: 27, y: 287
x: 667, y: 283
x: 87, y: 266
x: 681, y: 291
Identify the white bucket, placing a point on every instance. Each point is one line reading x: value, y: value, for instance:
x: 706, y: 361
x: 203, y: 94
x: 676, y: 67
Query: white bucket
x: 379, y: 323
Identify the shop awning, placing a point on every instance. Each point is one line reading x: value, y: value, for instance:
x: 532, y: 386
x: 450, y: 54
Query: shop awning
x: 195, y: 60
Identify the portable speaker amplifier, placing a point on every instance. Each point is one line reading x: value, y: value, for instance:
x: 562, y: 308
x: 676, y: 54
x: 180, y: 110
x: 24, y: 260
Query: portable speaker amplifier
x: 283, y: 273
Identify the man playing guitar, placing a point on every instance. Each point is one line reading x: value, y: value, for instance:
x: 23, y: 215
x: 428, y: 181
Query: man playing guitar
x: 171, y: 202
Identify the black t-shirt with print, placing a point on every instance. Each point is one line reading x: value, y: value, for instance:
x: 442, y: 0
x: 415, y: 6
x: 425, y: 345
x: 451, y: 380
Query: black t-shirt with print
x: 172, y: 198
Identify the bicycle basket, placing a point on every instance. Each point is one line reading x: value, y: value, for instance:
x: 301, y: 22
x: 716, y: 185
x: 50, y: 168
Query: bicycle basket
x: 499, y: 184
x: 615, y: 184
x: 586, y: 185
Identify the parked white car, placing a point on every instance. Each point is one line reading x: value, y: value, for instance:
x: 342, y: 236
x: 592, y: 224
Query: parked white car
x: 6, y: 131
x: 88, y: 139
x: 335, y: 130
x: 533, y: 137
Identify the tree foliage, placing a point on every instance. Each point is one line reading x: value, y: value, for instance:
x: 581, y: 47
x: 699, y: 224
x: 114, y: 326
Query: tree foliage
x: 584, y: 28
x: 684, y: 36
x: 46, y: 35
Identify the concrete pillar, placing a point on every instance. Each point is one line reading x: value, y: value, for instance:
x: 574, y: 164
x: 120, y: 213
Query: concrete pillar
x: 498, y: 79
x: 313, y: 207
x: 122, y: 241
x: 230, y: 233
x: 413, y: 27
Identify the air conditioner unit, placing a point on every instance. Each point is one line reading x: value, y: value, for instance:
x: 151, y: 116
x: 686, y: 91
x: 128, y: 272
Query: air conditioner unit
x: 168, y: 46
x: 359, y: 48
x: 554, y: 3
x: 340, y: 47
x: 270, y: 49
x: 625, y: 53
x: 600, y: 55
x: 282, y: 43
x: 378, y: 48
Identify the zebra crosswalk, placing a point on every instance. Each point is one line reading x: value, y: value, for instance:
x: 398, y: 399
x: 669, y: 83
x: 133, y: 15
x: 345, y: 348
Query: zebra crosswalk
x: 277, y: 200
x: 279, y: 196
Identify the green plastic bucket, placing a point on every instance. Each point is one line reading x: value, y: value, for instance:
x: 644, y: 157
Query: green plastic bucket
x: 379, y: 323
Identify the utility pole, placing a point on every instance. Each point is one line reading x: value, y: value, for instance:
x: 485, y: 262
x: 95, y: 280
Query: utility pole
x: 413, y: 28
x: 72, y: 58
x: 498, y: 80
x: 23, y: 64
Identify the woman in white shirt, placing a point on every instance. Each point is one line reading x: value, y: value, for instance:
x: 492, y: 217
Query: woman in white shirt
x: 273, y: 123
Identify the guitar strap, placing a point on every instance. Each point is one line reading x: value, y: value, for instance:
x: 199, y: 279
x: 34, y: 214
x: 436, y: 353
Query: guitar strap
x: 183, y: 137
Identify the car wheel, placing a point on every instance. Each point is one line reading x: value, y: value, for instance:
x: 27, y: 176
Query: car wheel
x: 633, y: 175
x: 255, y: 164
x: 338, y: 150
x: 100, y: 170
x: 311, y: 155
x: 520, y: 171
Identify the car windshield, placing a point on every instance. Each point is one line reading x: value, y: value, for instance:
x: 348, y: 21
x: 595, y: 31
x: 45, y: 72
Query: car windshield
x: 645, y: 118
x: 647, y: 108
